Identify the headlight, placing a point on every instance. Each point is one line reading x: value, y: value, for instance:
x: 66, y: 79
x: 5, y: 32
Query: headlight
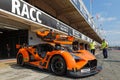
x: 76, y: 57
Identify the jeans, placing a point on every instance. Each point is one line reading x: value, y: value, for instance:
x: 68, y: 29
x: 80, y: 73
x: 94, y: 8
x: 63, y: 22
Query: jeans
x: 105, y: 53
x: 93, y: 51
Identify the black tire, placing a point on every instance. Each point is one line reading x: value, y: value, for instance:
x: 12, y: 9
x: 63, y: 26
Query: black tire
x: 58, y: 65
x: 20, y: 60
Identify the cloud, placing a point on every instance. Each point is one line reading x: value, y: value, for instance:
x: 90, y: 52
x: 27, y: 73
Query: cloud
x: 117, y: 23
x: 107, y: 4
x: 107, y: 19
x: 101, y: 18
x: 113, y: 37
x: 114, y: 43
x: 112, y: 32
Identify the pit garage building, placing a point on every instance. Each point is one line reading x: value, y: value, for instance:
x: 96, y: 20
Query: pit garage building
x: 19, y: 19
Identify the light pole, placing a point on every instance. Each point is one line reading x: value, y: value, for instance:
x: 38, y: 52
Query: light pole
x: 91, y: 1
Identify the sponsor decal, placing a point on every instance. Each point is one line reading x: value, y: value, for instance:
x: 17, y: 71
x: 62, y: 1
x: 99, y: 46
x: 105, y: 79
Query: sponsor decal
x: 87, y: 70
x: 62, y: 27
x: 76, y: 33
x: 25, y: 59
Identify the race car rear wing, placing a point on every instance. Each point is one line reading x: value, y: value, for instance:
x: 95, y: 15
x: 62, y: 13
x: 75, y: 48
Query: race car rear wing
x: 50, y: 36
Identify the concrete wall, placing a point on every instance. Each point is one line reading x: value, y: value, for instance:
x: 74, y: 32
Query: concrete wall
x: 33, y: 39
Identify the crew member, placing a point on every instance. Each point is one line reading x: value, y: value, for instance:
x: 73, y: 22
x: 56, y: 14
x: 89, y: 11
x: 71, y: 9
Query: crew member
x: 82, y: 46
x: 50, y: 36
x: 92, y: 47
x: 75, y: 45
x: 104, y: 47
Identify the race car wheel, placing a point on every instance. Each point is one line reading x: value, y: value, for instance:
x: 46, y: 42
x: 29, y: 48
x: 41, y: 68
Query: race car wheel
x: 20, y: 60
x: 58, y: 65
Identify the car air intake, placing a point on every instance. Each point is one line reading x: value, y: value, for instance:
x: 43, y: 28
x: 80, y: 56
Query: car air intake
x: 91, y: 64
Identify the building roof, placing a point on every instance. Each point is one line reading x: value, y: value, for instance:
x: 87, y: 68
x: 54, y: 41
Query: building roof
x: 67, y: 12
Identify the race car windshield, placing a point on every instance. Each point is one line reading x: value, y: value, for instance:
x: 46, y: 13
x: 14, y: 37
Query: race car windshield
x: 67, y: 48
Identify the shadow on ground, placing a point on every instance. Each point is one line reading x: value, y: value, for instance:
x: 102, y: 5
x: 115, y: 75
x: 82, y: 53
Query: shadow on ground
x: 38, y: 70
x: 109, y: 60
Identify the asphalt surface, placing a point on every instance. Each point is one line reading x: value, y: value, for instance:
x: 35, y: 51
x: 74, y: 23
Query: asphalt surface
x: 9, y: 70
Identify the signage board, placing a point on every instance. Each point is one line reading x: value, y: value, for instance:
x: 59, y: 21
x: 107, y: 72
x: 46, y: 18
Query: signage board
x: 29, y: 12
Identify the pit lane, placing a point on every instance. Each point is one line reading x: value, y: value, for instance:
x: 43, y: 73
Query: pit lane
x: 9, y: 70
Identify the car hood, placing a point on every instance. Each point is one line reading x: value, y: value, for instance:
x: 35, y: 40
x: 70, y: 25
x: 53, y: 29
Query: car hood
x: 86, y: 55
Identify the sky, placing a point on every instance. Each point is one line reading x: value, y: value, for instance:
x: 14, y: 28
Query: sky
x: 106, y: 14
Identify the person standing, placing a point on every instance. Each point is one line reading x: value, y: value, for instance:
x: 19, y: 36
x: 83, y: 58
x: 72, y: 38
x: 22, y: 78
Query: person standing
x: 50, y: 35
x: 92, y: 47
x: 82, y: 46
x: 86, y: 46
x: 104, y: 47
x: 8, y: 50
x: 75, y: 45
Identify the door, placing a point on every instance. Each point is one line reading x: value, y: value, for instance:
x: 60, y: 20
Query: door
x: 8, y: 41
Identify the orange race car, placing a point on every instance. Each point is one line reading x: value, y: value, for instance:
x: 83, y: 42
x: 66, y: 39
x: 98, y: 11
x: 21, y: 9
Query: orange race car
x: 59, y: 58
